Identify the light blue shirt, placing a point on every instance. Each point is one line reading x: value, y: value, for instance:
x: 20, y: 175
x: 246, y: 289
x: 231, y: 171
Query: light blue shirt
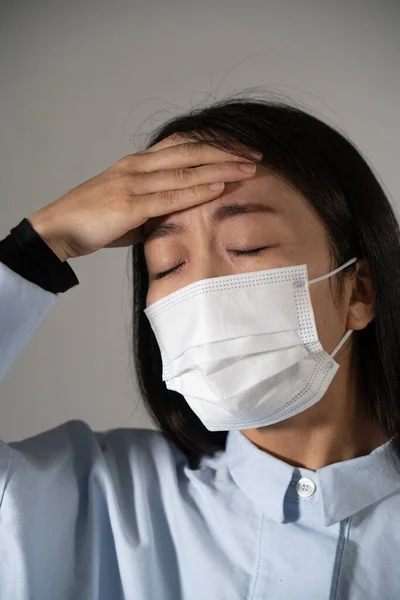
x: 88, y: 515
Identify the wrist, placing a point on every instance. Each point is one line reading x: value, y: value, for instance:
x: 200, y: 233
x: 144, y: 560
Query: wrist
x: 49, y: 236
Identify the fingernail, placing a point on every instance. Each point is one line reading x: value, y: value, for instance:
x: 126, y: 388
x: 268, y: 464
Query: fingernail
x: 247, y: 168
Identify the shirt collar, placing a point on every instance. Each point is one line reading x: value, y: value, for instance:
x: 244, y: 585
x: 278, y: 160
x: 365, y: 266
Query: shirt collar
x: 342, y: 489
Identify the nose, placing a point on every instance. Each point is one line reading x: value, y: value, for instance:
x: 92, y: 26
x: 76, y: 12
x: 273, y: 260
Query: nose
x: 206, y: 266
x: 206, y: 263
x: 206, y: 269
x: 206, y: 260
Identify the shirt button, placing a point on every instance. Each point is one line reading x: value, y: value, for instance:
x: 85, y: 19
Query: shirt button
x: 305, y: 487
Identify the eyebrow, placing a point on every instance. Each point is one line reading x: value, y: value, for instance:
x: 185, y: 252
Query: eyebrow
x: 222, y: 213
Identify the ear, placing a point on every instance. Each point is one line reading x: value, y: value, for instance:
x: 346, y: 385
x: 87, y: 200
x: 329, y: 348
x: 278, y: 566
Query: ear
x: 362, y: 298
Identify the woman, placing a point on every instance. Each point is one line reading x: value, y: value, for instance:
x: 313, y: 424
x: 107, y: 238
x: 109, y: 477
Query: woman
x: 266, y: 338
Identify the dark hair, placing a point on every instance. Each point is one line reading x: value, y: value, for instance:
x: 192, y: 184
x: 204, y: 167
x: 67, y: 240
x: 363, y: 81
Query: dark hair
x: 336, y: 180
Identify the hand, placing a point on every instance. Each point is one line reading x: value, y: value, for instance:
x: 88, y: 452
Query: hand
x: 109, y: 210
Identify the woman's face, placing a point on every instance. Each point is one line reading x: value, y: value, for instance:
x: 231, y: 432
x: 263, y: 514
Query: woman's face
x: 262, y: 213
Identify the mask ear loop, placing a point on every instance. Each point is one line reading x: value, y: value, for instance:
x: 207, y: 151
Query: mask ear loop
x: 321, y: 278
x: 349, y: 262
x: 342, y: 341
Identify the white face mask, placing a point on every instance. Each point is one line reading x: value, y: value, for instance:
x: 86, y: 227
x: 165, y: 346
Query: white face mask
x: 243, y: 349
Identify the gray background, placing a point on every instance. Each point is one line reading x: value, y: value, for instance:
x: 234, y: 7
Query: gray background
x: 83, y: 83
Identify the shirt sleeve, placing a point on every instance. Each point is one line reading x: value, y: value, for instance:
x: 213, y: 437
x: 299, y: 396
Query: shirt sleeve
x: 82, y: 514
x: 27, y: 254
x: 54, y: 515
x: 31, y: 276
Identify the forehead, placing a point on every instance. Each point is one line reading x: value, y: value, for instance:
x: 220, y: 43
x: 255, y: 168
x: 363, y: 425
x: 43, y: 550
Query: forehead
x: 267, y: 188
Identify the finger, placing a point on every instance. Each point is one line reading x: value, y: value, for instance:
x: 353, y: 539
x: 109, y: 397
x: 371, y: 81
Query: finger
x: 179, y: 138
x: 171, y: 140
x: 184, y: 178
x: 170, y: 201
x: 182, y: 155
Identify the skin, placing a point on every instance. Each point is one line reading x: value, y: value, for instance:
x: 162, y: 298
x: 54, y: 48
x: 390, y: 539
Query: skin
x: 336, y: 428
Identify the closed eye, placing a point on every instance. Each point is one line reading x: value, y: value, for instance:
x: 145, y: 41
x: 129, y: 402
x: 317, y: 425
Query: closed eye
x: 165, y: 273
x: 251, y: 252
x: 248, y: 252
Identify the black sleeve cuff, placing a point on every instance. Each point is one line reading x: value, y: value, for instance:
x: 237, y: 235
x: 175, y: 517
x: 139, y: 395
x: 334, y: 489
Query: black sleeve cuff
x: 26, y: 253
